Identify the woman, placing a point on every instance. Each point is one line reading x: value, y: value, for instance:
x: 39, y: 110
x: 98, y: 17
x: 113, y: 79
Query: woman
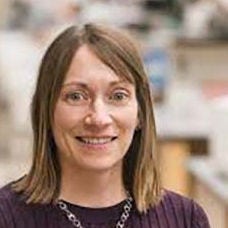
x: 94, y: 142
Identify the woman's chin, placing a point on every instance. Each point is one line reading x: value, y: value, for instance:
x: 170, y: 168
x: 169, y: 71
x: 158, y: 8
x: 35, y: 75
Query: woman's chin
x: 99, y: 165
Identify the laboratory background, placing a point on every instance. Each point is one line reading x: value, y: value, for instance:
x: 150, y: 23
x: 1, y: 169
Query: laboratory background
x: 184, y: 46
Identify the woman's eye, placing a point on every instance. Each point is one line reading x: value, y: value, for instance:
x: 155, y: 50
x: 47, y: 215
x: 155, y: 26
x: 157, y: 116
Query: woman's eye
x: 76, y: 97
x: 119, y: 96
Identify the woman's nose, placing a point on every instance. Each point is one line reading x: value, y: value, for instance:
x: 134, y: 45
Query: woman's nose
x: 99, y: 115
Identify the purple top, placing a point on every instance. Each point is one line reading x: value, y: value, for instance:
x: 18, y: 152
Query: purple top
x: 174, y: 211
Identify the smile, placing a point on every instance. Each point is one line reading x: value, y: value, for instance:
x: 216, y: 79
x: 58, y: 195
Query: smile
x: 96, y: 141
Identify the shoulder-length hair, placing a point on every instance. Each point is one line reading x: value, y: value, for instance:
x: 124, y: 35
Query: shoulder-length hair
x: 117, y: 50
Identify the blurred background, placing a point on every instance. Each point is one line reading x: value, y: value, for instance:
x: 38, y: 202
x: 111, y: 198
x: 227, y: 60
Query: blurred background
x: 184, y: 45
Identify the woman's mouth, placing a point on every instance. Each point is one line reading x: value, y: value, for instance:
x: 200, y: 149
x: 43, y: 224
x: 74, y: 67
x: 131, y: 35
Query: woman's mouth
x: 96, y: 140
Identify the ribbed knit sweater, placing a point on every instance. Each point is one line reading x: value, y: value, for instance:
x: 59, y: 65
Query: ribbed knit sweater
x: 173, y: 211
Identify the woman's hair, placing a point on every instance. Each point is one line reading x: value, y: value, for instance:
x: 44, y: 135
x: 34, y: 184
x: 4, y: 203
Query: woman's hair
x: 115, y: 49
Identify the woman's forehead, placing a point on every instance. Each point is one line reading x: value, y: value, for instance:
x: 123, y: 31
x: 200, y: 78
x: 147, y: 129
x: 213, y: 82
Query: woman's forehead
x: 86, y: 65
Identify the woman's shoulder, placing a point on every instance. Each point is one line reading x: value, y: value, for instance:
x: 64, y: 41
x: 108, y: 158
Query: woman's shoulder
x: 13, y: 207
x: 7, y: 196
x: 15, y: 212
x: 179, y: 211
x: 176, y: 200
x: 8, y: 205
x: 10, y: 200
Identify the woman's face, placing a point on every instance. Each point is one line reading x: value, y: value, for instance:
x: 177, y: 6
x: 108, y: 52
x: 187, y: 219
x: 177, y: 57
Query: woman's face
x: 95, y: 116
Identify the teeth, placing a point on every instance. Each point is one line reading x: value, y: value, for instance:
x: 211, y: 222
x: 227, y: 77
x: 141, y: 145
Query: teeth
x: 96, y: 140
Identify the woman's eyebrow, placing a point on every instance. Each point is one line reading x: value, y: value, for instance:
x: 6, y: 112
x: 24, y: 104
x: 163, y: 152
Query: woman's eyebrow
x: 75, y: 83
x: 84, y: 85
x: 120, y: 82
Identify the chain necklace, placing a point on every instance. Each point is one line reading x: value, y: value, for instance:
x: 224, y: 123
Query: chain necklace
x: 77, y: 223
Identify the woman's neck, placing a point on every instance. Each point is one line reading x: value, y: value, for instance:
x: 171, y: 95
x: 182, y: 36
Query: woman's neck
x: 91, y: 188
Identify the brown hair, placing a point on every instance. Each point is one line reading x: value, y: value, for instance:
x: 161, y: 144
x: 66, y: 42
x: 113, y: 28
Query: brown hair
x: 119, y: 52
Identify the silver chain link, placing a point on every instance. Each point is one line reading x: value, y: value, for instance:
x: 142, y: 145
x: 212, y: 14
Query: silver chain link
x: 77, y: 223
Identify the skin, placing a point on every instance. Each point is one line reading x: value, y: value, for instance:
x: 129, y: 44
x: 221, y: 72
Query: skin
x: 94, y: 121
